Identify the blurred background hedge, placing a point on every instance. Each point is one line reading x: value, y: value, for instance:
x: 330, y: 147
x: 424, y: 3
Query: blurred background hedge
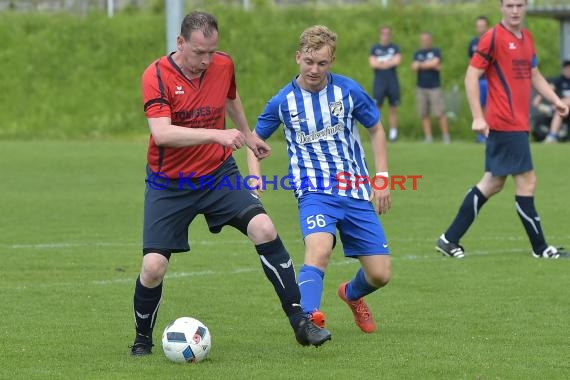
x: 69, y: 76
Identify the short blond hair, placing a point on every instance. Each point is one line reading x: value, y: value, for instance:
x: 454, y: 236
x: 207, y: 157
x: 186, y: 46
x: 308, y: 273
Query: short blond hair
x: 315, y: 37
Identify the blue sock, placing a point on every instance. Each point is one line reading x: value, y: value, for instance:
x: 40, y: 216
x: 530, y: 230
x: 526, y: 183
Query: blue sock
x: 311, y: 287
x: 358, y: 287
x: 467, y: 213
x: 531, y: 222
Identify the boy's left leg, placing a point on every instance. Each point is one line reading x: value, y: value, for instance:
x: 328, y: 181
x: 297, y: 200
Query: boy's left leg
x: 363, y: 237
x: 373, y: 275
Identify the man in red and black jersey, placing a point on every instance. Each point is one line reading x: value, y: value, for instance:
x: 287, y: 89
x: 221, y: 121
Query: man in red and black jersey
x: 506, y: 56
x: 191, y: 171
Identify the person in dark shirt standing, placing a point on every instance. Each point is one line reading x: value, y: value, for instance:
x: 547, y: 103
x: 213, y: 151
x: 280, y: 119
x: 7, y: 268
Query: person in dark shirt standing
x: 481, y: 25
x: 429, y: 96
x: 384, y: 59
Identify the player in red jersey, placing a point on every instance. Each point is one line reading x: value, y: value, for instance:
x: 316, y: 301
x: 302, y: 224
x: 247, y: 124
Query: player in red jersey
x: 506, y: 56
x: 191, y: 171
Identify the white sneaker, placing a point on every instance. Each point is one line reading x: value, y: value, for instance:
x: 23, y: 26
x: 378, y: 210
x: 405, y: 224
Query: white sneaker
x: 550, y: 139
x: 552, y: 252
x: 393, y: 135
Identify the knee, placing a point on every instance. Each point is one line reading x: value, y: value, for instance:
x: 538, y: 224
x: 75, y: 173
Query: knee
x: 379, y: 277
x: 526, y: 187
x: 318, y: 257
x: 153, y: 269
x: 260, y: 229
x: 490, y: 188
x: 494, y: 189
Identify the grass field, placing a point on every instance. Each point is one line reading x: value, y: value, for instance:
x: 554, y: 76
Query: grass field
x: 70, y: 250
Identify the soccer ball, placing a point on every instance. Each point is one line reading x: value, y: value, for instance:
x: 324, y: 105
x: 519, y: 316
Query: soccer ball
x: 186, y: 340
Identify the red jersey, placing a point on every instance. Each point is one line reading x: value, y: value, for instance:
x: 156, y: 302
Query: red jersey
x: 198, y: 103
x: 508, y: 62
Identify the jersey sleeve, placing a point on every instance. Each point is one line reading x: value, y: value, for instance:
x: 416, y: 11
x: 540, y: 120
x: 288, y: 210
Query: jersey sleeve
x: 396, y: 49
x: 485, y: 52
x: 365, y: 110
x: 155, y: 98
x: 269, y: 120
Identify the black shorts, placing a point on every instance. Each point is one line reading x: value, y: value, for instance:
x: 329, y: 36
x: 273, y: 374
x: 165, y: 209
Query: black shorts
x: 387, y: 89
x: 169, y: 211
x: 507, y: 153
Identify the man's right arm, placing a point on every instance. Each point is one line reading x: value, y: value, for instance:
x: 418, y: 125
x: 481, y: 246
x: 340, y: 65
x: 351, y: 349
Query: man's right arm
x: 166, y: 134
x: 157, y: 108
x: 472, y: 89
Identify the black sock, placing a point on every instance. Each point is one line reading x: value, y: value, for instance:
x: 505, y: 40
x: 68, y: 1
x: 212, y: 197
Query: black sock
x: 467, y: 213
x: 146, y: 302
x: 278, y: 268
x: 531, y: 222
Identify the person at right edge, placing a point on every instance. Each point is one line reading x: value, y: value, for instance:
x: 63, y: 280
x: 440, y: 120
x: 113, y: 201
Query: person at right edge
x: 506, y: 56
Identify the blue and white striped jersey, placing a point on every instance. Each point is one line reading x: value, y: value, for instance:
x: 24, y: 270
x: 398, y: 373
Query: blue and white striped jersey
x: 322, y: 135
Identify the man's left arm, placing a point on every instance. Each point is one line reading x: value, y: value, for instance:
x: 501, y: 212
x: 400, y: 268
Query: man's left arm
x: 237, y: 114
x: 381, y: 198
x: 545, y: 90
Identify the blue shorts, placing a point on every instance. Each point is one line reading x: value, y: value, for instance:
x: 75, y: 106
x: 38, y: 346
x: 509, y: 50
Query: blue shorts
x: 169, y: 211
x: 507, y: 153
x: 360, y: 230
x: 388, y: 89
x: 483, y: 89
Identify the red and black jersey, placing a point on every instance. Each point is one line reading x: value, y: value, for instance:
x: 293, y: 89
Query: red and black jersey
x: 508, y: 62
x: 199, y: 103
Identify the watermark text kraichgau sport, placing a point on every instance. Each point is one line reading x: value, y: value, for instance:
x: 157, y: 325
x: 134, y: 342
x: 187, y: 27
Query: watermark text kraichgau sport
x: 342, y: 181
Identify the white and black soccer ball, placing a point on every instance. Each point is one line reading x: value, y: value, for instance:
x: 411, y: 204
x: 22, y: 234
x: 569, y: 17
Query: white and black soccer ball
x: 186, y: 340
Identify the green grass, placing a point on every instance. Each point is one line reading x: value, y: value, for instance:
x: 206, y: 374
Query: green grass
x: 70, y: 249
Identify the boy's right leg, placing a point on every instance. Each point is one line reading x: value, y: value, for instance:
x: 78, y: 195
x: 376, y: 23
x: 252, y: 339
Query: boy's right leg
x: 318, y: 248
x: 318, y: 216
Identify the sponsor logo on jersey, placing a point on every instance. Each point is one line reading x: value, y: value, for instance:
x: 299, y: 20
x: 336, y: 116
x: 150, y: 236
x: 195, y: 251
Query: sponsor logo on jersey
x: 323, y: 134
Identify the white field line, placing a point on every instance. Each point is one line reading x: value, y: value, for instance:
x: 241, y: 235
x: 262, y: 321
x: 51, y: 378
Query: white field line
x: 255, y: 268
x: 109, y: 244
x: 244, y: 241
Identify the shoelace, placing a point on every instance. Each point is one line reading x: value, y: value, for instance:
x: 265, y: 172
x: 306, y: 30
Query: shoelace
x: 140, y: 344
x: 312, y: 327
x: 362, y: 310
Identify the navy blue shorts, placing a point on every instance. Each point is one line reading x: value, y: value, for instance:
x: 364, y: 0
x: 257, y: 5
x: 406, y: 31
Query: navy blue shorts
x: 170, y: 208
x: 389, y: 89
x: 507, y: 153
